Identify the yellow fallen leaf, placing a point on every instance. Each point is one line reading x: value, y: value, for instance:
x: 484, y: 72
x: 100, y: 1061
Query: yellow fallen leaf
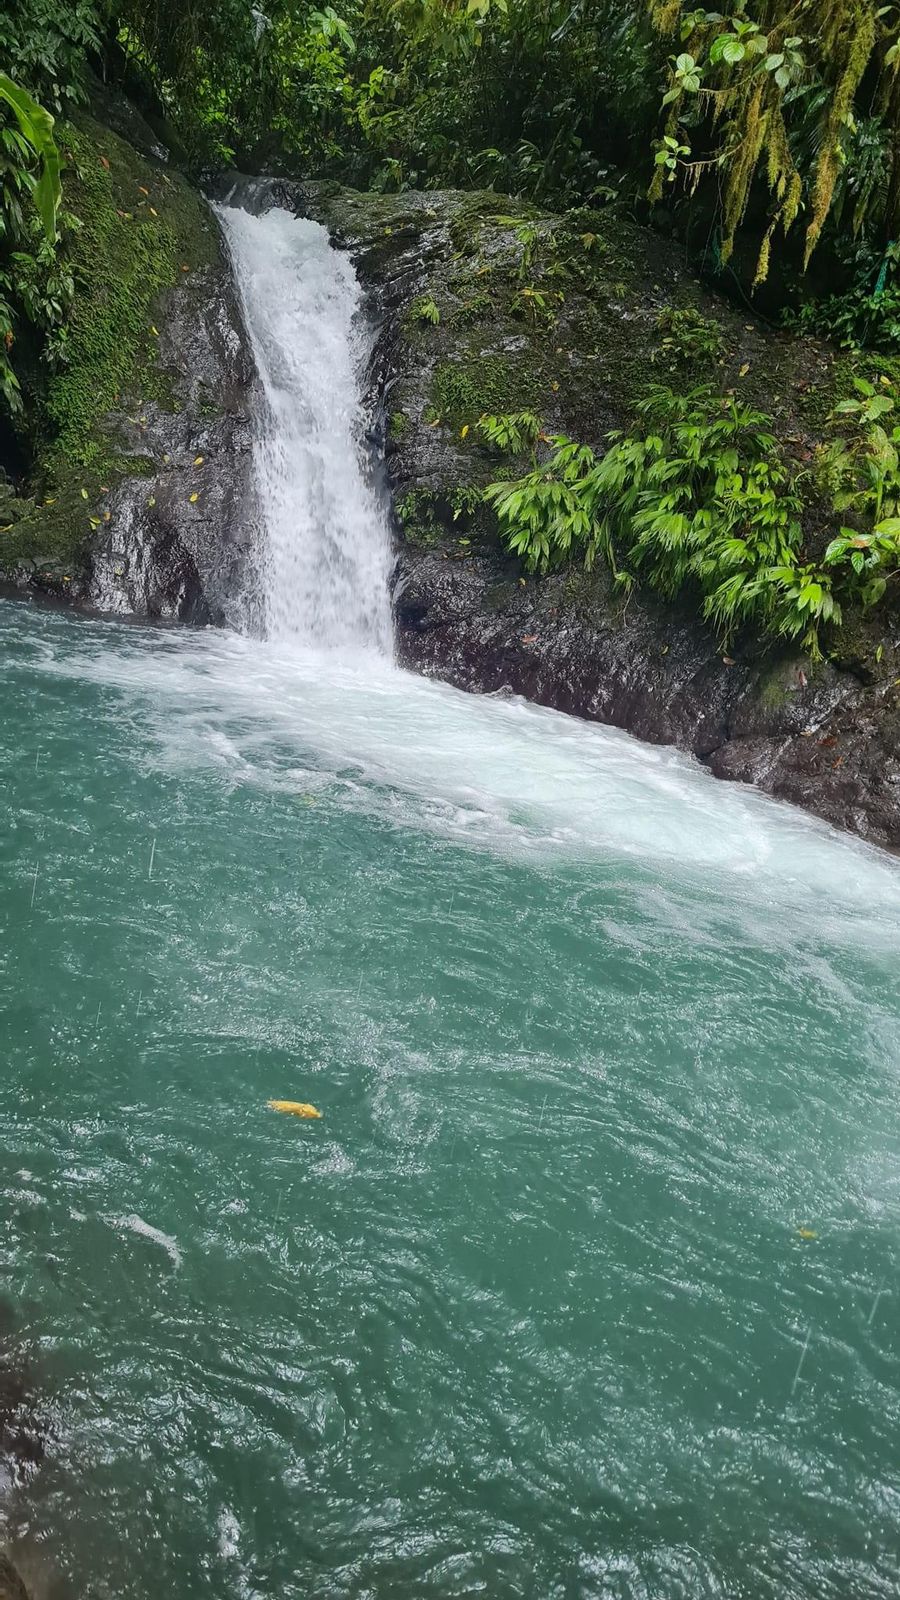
x: 94, y: 522
x: 744, y: 369
x: 554, y: 386
x: 464, y: 431
x: 143, y: 190
x: 198, y: 461
x: 193, y: 498
x: 84, y: 494
x: 151, y: 500
x: 152, y: 212
x: 294, y: 1108
x: 807, y: 1233
x: 154, y: 331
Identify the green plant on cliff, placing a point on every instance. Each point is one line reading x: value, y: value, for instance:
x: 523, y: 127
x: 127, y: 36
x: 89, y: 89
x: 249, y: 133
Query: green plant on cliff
x: 516, y: 431
x: 865, y: 314
x: 698, y: 503
x: 34, y: 290
x: 775, y: 91
x: 424, y: 309
x: 862, y: 472
x: 687, y: 336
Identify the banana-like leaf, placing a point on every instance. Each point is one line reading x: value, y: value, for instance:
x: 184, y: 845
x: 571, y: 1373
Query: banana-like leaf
x: 36, y: 125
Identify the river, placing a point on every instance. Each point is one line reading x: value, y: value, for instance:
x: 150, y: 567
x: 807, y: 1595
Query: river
x: 585, y: 1282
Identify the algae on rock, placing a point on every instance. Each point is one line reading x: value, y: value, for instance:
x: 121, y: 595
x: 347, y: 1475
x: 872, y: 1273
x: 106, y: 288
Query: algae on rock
x: 144, y: 250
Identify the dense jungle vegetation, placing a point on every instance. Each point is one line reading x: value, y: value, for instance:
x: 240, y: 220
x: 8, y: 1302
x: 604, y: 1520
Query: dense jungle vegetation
x: 765, y: 137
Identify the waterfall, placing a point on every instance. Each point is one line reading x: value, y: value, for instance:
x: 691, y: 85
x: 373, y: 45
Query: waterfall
x: 325, y: 548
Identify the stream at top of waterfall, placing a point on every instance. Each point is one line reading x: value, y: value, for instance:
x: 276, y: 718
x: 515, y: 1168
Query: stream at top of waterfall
x: 585, y: 1283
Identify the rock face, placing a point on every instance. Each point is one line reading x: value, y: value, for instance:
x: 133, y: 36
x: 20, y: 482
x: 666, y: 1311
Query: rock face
x: 825, y: 736
x: 138, y: 499
x: 179, y: 540
x: 11, y: 1585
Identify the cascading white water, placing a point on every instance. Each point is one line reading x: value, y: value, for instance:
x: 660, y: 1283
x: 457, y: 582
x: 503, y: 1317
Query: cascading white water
x: 325, y: 546
x: 492, y: 772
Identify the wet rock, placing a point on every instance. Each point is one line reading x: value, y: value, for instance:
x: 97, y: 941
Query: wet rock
x: 825, y: 736
x: 136, y: 498
x: 11, y: 1585
x: 179, y: 539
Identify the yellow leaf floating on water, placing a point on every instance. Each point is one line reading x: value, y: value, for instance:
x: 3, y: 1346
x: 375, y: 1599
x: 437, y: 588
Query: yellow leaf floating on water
x: 807, y: 1233
x: 193, y: 498
x: 198, y: 461
x: 294, y: 1108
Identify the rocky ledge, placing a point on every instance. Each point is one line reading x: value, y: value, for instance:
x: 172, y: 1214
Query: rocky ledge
x: 458, y: 338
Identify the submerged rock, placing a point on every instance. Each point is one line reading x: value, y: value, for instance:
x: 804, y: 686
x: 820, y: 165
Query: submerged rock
x: 460, y: 336
x: 11, y: 1585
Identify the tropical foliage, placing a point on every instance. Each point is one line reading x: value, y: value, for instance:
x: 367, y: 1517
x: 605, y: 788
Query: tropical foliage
x: 700, y: 503
x: 31, y: 279
x: 807, y: 97
x: 774, y: 125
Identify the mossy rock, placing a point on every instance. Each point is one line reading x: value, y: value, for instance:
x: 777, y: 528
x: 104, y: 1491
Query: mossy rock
x: 140, y: 229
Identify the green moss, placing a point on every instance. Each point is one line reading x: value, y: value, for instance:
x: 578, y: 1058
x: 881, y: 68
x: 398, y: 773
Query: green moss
x: 140, y: 227
x: 416, y: 515
x: 399, y: 426
x: 476, y: 307
x: 462, y: 391
x: 139, y: 231
x: 773, y: 691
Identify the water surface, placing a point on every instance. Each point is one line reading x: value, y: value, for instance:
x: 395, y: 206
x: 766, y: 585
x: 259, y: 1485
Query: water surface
x: 585, y: 1283
x: 593, y: 1038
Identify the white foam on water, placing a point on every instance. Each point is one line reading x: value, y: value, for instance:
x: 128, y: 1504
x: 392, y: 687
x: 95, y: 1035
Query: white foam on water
x: 136, y: 1224
x: 318, y: 710
x: 484, y: 772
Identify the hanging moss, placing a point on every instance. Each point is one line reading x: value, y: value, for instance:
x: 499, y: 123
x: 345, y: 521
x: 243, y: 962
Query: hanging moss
x: 747, y: 92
